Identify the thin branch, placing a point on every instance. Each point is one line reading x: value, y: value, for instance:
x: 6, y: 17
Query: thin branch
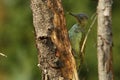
x: 93, y: 16
x: 84, y: 42
x: 3, y: 55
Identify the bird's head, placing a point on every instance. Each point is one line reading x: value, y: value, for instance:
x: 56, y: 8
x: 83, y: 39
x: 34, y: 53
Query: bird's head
x: 81, y: 18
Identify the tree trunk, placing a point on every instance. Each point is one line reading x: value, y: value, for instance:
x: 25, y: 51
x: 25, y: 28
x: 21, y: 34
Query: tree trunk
x: 54, y: 51
x: 104, y: 38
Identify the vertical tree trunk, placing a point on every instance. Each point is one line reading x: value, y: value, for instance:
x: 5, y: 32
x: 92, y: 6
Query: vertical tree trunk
x: 104, y: 38
x: 54, y: 50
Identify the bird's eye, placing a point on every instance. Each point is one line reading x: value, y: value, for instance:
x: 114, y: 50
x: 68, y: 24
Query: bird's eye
x: 80, y: 17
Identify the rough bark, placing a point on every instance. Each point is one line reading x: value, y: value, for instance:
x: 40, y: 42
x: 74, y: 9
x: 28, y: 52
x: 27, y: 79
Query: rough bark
x: 104, y: 38
x: 54, y: 51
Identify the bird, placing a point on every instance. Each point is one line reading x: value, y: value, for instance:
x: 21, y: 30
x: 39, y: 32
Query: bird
x: 77, y: 35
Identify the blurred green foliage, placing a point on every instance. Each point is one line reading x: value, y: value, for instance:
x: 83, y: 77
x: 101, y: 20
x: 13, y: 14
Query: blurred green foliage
x: 17, y: 39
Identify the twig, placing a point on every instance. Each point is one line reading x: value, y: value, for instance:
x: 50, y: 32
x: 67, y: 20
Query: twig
x: 3, y: 55
x: 85, y: 39
x: 93, y: 16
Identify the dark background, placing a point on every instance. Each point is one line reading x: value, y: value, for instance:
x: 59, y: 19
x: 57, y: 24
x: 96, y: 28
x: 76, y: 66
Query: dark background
x: 17, y: 39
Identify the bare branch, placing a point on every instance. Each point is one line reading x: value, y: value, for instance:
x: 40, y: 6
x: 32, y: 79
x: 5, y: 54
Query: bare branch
x: 86, y: 36
x: 3, y: 54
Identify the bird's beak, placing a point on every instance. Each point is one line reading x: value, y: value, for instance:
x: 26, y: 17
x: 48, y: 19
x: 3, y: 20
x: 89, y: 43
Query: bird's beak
x: 72, y: 14
x: 81, y: 18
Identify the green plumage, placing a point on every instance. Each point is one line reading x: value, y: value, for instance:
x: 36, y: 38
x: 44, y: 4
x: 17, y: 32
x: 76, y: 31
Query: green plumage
x: 76, y: 35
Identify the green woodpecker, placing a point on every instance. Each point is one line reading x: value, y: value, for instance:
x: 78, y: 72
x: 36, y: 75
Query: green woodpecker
x: 76, y: 35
